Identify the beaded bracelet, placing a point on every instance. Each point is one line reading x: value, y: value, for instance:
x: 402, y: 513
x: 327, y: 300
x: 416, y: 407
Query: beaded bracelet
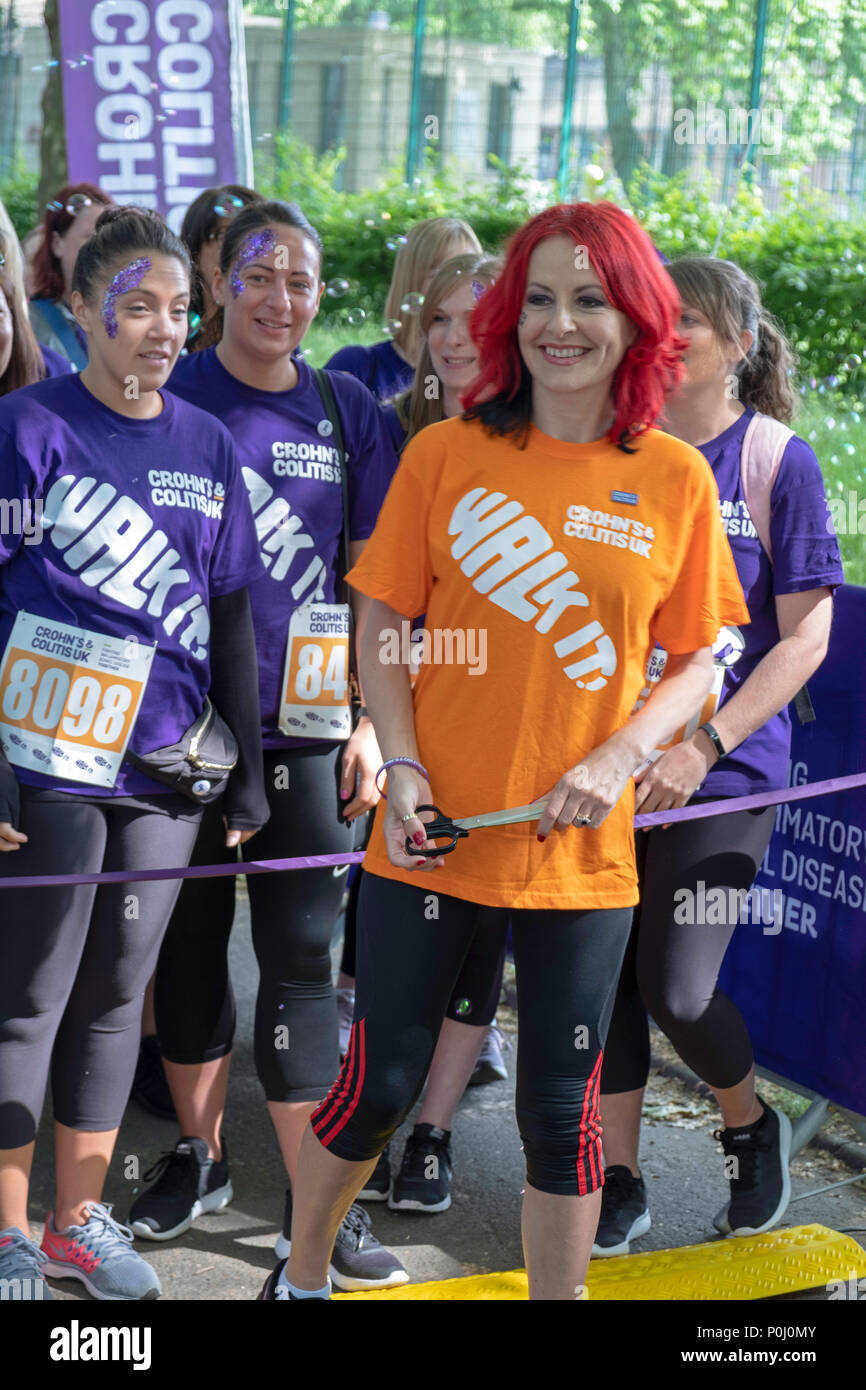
x: 409, y: 762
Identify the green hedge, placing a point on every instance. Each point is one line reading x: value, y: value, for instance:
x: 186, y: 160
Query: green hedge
x: 810, y: 260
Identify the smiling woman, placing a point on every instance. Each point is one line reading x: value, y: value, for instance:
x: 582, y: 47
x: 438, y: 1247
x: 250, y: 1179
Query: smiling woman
x: 145, y: 583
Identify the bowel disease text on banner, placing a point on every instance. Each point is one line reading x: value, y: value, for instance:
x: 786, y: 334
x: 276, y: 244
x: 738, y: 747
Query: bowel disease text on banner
x: 161, y: 112
x: 800, y: 979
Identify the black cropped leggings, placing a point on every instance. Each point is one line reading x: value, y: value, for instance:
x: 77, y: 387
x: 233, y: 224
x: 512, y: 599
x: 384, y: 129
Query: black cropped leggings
x: 478, y: 986
x: 292, y: 915
x: 672, y: 965
x: 76, y: 959
x: 411, y: 943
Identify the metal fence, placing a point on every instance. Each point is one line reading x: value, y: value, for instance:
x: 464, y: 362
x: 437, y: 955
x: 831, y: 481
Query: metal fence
x: 767, y: 89
x: 709, y: 87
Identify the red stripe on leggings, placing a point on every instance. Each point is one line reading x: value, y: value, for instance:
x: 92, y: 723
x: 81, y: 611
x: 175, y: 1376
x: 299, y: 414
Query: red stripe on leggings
x: 356, y: 1089
x: 339, y: 1090
x: 589, y: 1144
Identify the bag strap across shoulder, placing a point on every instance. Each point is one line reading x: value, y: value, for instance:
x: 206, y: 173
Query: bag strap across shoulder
x: 764, y: 443
x: 326, y: 391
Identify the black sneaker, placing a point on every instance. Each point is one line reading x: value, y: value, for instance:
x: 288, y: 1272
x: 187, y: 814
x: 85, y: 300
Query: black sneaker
x: 186, y: 1183
x: 359, y: 1261
x: 760, y: 1182
x: 274, y: 1292
x: 424, y: 1180
x: 624, y: 1212
x: 150, y: 1088
x: 378, y: 1188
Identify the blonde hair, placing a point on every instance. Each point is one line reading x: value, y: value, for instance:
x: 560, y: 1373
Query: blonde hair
x: 414, y: 411
x: 11, y: 249
x: 731, y: 300
x: 427, y: 244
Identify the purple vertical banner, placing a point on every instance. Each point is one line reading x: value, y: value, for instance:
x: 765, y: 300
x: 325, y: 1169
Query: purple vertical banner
x: 154, y: 95
x: 799, y: 973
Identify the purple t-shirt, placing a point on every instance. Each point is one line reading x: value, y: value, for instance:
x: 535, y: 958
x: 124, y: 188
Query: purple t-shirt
x: 292, y: 472
x: 55, y: 363
x: 805, y: 556
x: 380, y: 368
x: 143, y: 522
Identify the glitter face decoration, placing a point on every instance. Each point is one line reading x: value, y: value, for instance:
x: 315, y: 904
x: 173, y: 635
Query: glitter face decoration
x: 477, y: 289
x: 256, y: 246
x: 522, y: 320
x: 129, y: 278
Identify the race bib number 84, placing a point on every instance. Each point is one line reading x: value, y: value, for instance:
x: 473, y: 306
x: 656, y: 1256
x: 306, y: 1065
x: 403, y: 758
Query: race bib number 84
x: 69, y: 699
x: 315, y: 699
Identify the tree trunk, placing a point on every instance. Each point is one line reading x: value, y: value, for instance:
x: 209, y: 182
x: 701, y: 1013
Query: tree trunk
x: 53, y: 157
x: 621, y: 81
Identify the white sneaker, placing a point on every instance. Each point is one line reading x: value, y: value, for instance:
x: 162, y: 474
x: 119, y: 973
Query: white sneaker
x: 345, y: 1014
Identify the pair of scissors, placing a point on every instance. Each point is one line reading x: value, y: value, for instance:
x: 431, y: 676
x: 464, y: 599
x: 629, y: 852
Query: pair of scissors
x: 445, y: 828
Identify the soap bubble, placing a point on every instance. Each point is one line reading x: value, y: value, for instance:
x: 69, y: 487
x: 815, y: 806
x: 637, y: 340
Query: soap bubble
x: 337, y: 288
x: 832, y: 381
x: 850, y: 448
x: 413, y: 303
x: 356, y: 316
x: 463, y: 1007
x: 853, y: 362
x: 830, y: 422
x: 395, y: 242
x: 391, y: 327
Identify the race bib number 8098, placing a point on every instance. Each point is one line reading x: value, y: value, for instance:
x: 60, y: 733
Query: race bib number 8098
x: 69, y: 699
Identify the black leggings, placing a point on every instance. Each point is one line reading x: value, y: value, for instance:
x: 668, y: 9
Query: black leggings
x: 76, y: 959
x: 671, y: 968
x: 411, y: 943
x: 478, y: 986
x: 292, y: 916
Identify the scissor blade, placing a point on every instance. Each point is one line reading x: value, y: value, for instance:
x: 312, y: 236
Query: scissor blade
x: 534, y: 811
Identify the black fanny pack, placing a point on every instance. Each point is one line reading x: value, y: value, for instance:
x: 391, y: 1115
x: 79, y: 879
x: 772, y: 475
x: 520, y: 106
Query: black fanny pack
x: 199, y: 763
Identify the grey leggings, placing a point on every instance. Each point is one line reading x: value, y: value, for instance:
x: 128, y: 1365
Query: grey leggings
x: 76, y: 960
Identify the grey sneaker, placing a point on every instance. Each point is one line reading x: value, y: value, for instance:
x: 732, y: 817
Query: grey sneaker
x: 100, y: 1254
x: 21, y: 1264
x: 345, y: 1012
x: 491, y: 1063
x: 359, y: 1260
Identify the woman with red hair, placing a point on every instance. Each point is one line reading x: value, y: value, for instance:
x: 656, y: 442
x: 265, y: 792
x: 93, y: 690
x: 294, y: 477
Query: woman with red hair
x: 70, y: 218
x: 561, y: 534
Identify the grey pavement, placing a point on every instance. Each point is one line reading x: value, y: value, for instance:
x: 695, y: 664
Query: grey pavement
x: 228, y: 1255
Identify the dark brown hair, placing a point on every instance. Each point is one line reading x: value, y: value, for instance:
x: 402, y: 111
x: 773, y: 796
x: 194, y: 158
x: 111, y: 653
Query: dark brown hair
x: 731, y: 300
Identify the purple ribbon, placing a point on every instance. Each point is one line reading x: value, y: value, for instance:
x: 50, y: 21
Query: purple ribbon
x: 326, y: 861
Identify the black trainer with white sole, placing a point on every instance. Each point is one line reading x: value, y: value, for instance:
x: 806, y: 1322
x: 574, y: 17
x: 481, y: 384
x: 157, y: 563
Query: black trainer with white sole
x: 624, y: 1212
x: 424, y: 1180
x: 186, y: 1184
x: 359, y: 1260
x: 756, y: 1164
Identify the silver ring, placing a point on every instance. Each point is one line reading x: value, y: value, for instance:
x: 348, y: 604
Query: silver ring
x: 582, y: 820
x: 411, y: 816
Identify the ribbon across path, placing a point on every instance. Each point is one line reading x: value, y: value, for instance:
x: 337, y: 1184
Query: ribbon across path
x: 327, y: 861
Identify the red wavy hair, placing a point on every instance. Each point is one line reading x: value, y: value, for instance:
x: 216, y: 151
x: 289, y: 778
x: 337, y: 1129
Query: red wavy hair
x: 635, y: 282
x: 46, y: 271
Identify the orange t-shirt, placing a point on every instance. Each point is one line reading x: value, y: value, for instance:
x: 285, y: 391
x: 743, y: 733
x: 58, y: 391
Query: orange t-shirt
x: 557, y: 567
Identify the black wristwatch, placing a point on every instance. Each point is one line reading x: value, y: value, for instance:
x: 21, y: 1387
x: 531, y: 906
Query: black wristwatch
x: 713, y: 736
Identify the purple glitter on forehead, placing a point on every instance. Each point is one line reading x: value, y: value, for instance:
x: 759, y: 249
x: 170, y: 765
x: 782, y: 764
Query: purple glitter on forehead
x: 127, y: 279
x: 478, y: 289
x: 256, y: 245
